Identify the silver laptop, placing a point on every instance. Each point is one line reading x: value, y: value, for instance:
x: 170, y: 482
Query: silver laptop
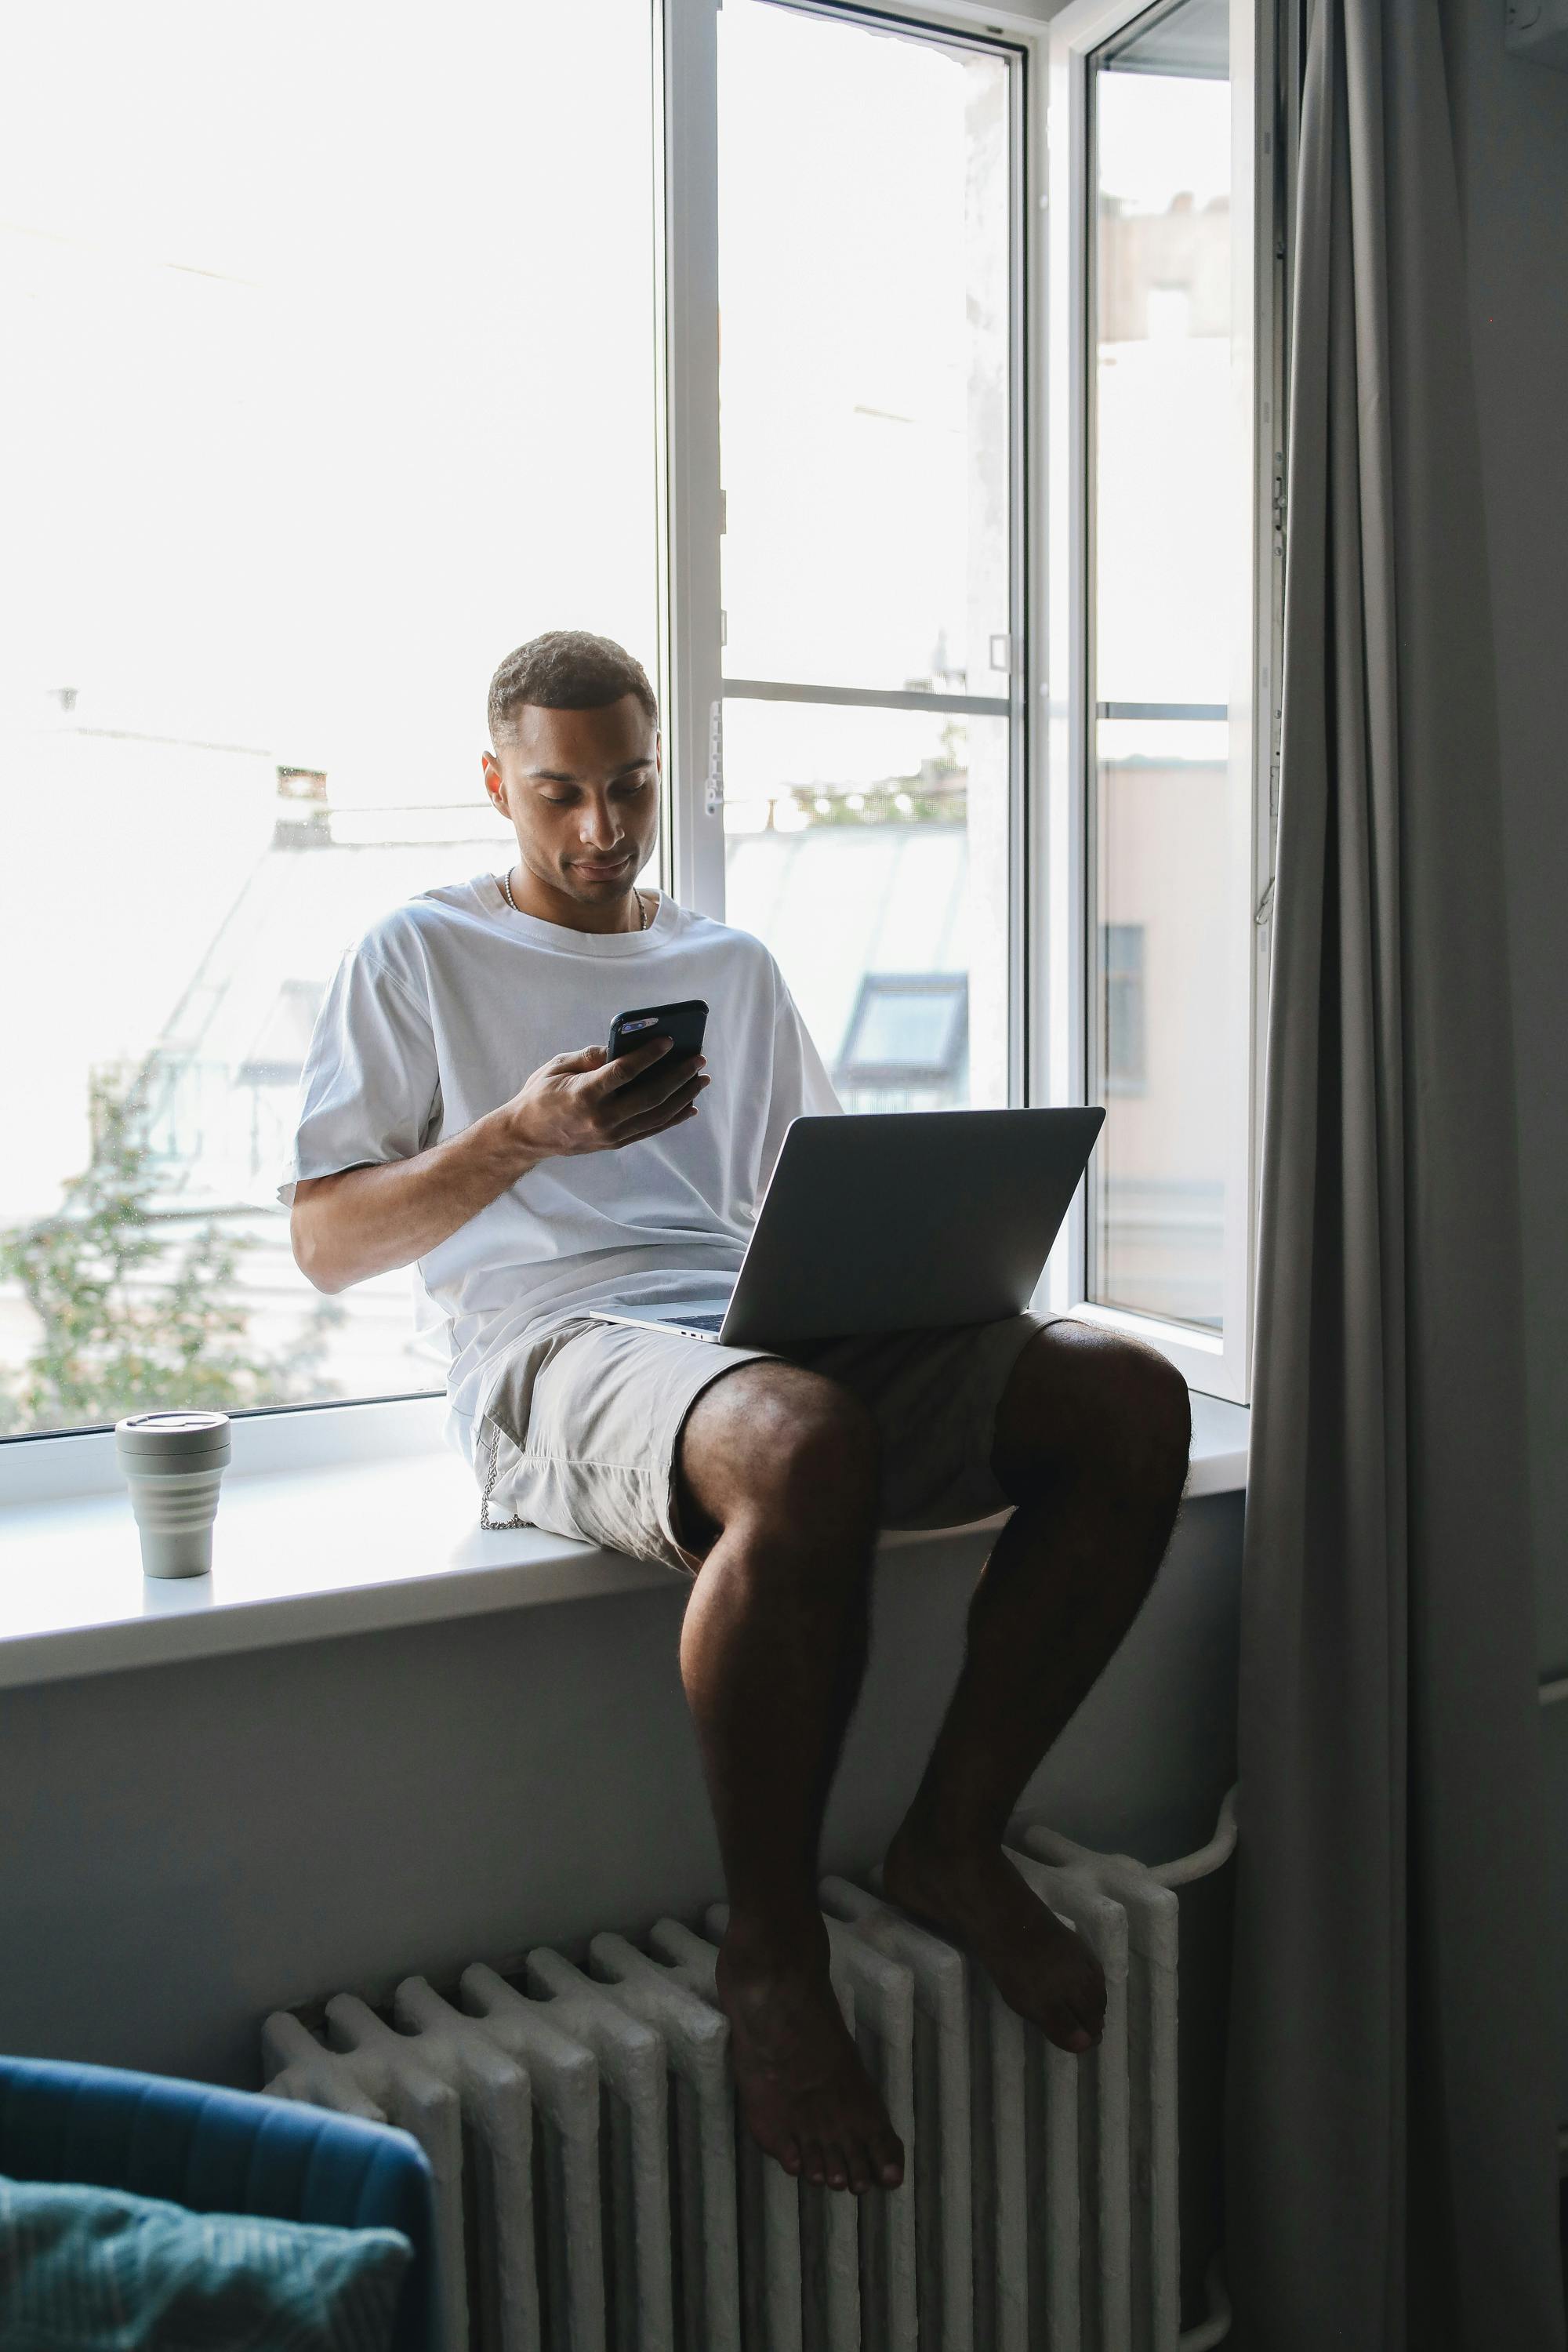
x: 911, y: 1221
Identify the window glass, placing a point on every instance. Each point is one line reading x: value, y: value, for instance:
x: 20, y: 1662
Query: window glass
x: 329, y: 378
x: 864, y: 243
x: 1162, y: 609
x: 1122, y: 948
x: 868, y: 472
x: 908, y: 1025
x: 867, y: 844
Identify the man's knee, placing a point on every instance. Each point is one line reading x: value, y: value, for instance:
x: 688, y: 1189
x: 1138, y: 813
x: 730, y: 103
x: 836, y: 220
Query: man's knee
x: 1094, y: 1399
x: 812, y: 1446
x: 1153, y: 1418
x: 786, y: 1448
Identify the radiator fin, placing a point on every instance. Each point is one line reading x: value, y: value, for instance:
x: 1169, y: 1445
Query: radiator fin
x: 496, y: 2099
x: 696, y: 2038
x: 1105, y: 2321
x: 1152, y: 1917
x: 941, y: 2175
x: 565, y: 2074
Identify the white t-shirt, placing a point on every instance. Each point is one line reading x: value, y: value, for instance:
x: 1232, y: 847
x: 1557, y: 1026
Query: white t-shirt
x: 445, y: 1007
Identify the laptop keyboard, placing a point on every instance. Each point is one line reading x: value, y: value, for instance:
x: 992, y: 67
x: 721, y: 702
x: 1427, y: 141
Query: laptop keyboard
x: 703, y: 1322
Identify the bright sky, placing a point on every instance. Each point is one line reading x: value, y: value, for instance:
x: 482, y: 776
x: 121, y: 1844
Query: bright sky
x: 1164, y: 428
x: 864, y: 286
x: 1159, y: 137
x: 329, y: 364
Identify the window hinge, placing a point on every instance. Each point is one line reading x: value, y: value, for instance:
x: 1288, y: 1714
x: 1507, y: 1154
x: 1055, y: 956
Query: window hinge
x: 713, y: 791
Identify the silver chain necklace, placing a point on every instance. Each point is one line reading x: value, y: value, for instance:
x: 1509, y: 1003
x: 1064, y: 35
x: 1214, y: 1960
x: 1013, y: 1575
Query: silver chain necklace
x: 511, y: 902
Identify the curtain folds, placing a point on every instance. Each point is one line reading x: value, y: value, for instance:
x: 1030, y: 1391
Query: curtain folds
x: 1392, y: 2156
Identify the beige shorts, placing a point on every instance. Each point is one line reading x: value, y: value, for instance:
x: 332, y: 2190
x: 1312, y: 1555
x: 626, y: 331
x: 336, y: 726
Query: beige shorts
x: 579, y: 1430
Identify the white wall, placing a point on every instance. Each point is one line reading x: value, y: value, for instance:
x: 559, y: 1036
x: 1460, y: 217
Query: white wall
x: 184, y: 1847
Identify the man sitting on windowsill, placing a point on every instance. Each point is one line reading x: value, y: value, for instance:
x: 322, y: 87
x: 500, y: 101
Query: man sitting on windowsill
x: 443, y: 1125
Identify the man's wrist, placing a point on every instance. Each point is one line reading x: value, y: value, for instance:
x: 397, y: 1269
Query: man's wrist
x: 510, y: 1143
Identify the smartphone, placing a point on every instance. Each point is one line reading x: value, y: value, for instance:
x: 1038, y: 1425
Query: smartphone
x: 682, y: 1024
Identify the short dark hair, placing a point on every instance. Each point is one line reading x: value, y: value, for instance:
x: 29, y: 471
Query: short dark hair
x: 566, y: 669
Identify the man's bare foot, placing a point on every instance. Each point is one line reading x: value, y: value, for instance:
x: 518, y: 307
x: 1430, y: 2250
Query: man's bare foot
x: 1039, y: 1967
x: 806, y: 2098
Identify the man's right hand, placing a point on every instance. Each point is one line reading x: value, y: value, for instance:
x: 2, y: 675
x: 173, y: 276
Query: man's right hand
x: 584, y: 1102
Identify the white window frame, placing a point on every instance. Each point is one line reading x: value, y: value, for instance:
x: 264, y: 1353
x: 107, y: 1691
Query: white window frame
x: 1047, y: 885
x: 1218, y: 1364
x: 691, y: 655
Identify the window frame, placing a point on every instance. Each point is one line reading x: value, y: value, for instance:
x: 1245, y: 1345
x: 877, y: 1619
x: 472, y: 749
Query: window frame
x: 1049, y: 956
x: 1218, y: 1365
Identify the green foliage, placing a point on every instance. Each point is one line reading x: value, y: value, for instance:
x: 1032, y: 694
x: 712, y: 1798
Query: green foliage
x: 939, y: 794
x: 132, y: 1318
x: 930, y: 802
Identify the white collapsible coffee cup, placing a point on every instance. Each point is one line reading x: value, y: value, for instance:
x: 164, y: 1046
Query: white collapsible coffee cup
x: 174, y: 1464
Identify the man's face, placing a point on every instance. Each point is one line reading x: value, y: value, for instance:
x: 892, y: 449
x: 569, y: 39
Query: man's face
x: 581, y: 788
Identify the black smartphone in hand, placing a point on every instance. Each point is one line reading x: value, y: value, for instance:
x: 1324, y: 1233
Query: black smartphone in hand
x: 683, y: 1025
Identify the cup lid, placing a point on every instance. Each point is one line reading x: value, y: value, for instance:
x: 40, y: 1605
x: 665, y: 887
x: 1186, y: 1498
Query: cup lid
x: 168, y: 1434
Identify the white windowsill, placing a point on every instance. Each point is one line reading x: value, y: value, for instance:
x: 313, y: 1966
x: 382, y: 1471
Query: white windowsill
x: 324, y: 1546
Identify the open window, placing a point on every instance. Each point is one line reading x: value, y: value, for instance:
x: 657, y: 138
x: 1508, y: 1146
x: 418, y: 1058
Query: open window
x: 1163, y: 426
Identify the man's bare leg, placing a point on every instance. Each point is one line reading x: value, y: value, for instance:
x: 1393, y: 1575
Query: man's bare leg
x: 777, y: 1484
x: 1091, y: 1445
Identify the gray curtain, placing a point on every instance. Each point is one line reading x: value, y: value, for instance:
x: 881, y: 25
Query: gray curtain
x: 1392, y: 2167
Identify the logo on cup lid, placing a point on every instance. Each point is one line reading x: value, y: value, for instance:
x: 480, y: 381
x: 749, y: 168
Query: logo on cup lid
x: 176, y: 1419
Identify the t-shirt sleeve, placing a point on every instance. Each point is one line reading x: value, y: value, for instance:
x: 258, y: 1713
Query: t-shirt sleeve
x: 801, y: 1086
x: 370, y: 1089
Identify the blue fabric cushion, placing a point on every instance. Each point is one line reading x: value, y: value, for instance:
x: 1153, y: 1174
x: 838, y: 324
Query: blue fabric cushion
x: 96, y: 2270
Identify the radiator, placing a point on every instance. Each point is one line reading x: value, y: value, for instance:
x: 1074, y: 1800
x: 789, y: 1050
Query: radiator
x: 595, y: 2192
